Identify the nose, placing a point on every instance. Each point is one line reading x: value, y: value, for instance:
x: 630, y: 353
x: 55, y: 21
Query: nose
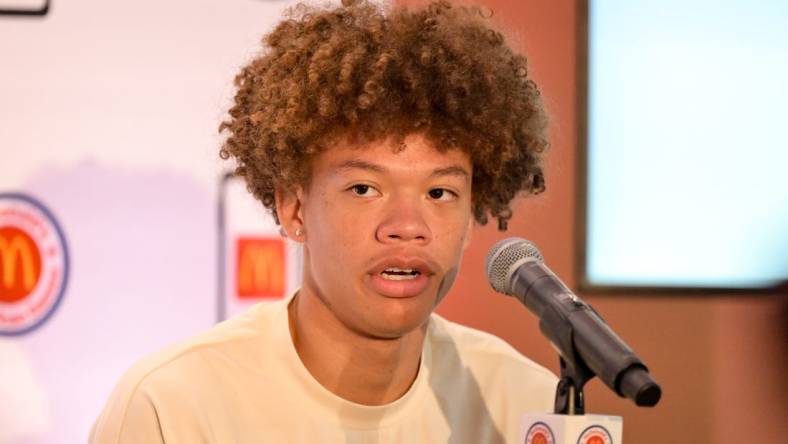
x: 404, y: 222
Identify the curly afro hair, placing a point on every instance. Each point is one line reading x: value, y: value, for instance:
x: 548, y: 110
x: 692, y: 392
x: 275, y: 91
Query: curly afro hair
x: 365, y: 70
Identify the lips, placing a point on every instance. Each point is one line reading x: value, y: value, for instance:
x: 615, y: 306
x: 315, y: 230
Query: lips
x: 401, y: 288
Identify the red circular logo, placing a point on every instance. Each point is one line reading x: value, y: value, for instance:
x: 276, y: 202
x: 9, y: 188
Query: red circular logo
x: 33, y: 264
x: 539, y: 433
x: 595, y: 435
x: 20, y: 264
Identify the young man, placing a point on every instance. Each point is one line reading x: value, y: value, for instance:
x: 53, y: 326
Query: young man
x: 376, y: 137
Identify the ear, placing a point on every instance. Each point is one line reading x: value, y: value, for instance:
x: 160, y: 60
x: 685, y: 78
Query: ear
x: 289, y: 210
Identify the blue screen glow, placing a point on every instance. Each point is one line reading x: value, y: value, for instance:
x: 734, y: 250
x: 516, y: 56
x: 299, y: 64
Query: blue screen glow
x: 687, y: 143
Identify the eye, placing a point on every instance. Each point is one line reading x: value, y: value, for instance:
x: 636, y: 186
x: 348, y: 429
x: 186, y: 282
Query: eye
x: 363, y: 190
x: 442, y: 194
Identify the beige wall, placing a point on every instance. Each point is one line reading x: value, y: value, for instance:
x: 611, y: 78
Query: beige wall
x: 720, y: 359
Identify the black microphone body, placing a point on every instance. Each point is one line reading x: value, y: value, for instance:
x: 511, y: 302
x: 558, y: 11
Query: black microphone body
x: 582, y: 338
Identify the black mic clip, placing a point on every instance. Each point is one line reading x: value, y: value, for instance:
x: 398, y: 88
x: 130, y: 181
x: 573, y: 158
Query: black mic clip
x: 569, y: 398
x: 579, y: 322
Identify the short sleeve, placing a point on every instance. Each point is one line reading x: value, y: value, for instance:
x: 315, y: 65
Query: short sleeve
x: 127, y: 419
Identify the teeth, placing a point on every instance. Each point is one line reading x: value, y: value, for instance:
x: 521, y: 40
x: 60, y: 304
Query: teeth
x: 399, y: 277
x: 399, y: 270
x: 399, y: 274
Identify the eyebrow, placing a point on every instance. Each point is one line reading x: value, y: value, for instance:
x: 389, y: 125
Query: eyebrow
x: 453, y: 170
x: 361, y: 165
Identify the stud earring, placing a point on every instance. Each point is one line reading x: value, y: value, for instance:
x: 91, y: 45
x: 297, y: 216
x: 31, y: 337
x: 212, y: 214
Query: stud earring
x: 298, y: 232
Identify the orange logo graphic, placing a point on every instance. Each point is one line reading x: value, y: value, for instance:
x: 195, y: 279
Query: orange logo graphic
x: 33, y: 264
x: 20, y: 264
x: 261, y: 268
x: 539, y: 433
x: 595, y: 434
x: 539, y: 438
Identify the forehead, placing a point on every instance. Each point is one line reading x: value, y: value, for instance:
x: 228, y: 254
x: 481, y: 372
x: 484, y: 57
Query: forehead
x: 416, y: 153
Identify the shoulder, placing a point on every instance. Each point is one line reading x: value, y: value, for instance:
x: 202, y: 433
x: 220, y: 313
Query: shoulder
x: 476, y: 345
x: 491, y: 359
x: 186, y: 357
x: 158, y: 381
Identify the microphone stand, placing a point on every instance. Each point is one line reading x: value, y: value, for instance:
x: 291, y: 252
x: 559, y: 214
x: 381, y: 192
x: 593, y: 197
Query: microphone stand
x: 569, y: 398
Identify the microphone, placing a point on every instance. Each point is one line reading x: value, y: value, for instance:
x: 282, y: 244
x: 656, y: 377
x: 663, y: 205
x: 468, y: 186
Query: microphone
x: 516, y: 268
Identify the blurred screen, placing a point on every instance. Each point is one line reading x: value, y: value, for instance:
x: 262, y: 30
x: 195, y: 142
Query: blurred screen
x: 25, y: 5
x: 687, y: 144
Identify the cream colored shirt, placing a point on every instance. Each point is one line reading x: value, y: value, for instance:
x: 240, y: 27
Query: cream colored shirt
x: 243, y: 382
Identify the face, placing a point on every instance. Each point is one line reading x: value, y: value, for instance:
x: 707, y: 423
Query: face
x: 384, y: 232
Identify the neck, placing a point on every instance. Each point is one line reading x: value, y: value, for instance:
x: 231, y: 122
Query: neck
x: 358, y: 368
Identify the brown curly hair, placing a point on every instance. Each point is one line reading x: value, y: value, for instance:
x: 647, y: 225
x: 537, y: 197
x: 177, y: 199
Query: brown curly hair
x: 364, y: 71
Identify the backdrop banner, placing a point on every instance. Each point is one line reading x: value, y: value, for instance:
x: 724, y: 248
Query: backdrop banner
x: 110, y: 180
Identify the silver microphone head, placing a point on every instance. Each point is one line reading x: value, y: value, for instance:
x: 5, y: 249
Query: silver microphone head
x: 504, y: 258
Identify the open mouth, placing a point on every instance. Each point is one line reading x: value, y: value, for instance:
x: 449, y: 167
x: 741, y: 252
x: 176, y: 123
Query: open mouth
x: 399, y: 274
x: 395, y: 277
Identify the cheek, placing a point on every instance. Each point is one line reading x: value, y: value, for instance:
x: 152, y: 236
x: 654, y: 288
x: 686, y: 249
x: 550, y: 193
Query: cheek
x: 446, y: 283
x: 339, y: 223
x: 454, y: 244
x: 451, y: 232
x: 335, y: 231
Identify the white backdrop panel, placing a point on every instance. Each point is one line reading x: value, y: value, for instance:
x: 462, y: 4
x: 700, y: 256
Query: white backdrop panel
x: 108, y: 115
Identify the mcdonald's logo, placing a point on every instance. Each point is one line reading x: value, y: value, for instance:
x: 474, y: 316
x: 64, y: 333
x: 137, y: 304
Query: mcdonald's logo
x: 33, y: 264
x: 261, y: 268
x: 20, y: 264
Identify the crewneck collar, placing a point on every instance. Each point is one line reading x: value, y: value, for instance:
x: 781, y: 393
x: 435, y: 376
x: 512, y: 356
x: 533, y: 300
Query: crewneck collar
x: 348, y: 413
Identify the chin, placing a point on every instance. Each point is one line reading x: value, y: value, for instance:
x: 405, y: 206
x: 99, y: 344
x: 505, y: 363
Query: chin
x: 392, y: 323
x: 394, y: 331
